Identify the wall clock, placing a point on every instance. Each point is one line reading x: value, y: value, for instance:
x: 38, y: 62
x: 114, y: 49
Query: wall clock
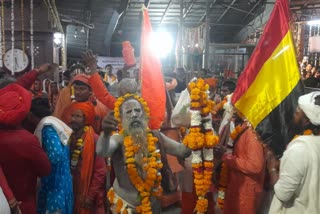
x: 20, y: 60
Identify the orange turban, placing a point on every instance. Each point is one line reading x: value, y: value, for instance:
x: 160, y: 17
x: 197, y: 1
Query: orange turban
x: 87, y: 108
x: 82, y: 78
x: 15, y: 103
x: 212, y: 82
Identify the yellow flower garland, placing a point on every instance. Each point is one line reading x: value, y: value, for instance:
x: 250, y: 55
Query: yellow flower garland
x: 151, y: 185
x: 201, y: 142
x: 77, y: 152
x: 119, y: 102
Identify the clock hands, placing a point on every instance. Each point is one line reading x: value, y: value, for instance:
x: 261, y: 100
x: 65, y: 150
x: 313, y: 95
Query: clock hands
x: 16, y: 63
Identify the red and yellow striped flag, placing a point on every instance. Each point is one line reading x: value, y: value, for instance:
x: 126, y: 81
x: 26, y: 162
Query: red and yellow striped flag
x: 268, y: 89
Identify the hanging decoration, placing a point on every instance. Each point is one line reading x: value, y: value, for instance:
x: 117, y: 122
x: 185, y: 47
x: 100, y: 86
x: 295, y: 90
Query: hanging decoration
x: 12, y: 37
x: 201, y: 140
x: 22, y: 25
x: 3, y: 41
x: 31, y: 35
x: 1, y: 53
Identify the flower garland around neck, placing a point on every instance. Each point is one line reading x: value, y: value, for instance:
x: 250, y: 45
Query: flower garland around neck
x: 223, y: 179
x: 305, y: 132
x: 77, y: 151
x: 147, y: 186
x: 201, y: 140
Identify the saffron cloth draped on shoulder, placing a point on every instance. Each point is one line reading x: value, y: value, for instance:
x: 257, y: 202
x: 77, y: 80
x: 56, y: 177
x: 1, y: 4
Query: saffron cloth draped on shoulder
x: 267, y: 91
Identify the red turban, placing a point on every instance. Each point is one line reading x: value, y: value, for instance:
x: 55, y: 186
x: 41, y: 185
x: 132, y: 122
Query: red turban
x: 82, y: 78
x: 87, y: 108
x: 212, y: 82
x: 15, y: 103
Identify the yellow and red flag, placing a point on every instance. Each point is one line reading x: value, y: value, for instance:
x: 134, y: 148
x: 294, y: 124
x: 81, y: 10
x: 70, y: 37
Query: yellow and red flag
x: 268, y: 89
x: 152, y: 82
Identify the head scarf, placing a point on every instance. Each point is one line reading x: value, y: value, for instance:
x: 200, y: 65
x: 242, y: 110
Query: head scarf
x: 308, y: 106
x: 82, y: 78
x: 61, y: 128
x: 87, y: 108
x: 212, y: 82
x: 15, y: 103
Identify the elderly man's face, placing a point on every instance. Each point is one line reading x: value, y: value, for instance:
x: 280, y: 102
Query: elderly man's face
x: 77, y: 120
x: 132, y: 115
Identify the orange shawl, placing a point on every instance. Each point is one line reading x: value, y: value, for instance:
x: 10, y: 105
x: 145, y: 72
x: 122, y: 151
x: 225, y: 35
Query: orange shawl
x: 86, y: 171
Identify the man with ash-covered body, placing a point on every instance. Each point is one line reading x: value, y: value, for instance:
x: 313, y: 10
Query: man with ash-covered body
x: 134, y: 122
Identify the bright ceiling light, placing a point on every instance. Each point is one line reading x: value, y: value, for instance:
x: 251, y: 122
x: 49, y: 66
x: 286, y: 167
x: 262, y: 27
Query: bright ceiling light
x: 161, y: 43
x: 57, y: 35
x: 57, y: 38
x: 313, y: 22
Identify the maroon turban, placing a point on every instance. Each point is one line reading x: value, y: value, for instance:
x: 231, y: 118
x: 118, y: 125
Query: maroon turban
x: 15, y: 103
x: 87, y: 108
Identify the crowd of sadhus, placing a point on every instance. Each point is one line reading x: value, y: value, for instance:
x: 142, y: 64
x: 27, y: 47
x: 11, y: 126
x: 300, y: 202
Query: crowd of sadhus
x: 49, y: 134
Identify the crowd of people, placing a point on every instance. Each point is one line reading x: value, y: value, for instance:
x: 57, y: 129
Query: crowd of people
x: 77, y: 148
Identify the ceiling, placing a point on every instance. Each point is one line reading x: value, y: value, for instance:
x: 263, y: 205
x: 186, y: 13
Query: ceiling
x: 102, y: 25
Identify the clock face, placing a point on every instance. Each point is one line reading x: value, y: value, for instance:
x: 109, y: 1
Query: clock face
x: 19, y: 62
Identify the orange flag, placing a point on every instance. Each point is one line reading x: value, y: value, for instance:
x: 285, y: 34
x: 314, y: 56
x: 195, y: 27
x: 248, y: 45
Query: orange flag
x: 152, y: 82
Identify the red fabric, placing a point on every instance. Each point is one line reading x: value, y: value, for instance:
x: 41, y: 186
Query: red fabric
x: 101, y: 91
x: 246, y: 177
x: 23, y: 160
x: 27, y: 79
x: 274, y: 31
x: 128, y: 54
x: 87, y: 108
x: 152, y: 82
x: 15, y: 103
x: 5, y: 187
x: 212, y: 82
x: 92, y: 185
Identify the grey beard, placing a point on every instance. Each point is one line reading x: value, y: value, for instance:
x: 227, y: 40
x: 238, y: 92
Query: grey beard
x: 139, y: 137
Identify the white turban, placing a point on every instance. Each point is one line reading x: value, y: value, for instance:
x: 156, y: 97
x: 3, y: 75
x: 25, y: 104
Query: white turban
x: 308, y: 106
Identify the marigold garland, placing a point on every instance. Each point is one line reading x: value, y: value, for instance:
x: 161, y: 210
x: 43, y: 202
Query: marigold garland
x: 150, y: 186
x: 77, y: 151
x: 305, y: 132
x: 119, y: 102
x: 223, y: 180
x: 201, y: 141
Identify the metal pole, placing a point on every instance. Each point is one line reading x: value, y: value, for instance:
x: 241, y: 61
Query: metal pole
x: 180, y: 54
x: 207, y: 41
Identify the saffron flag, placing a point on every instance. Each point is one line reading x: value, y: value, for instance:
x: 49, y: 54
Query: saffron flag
x: 267, y: 91
x: 152, y: 82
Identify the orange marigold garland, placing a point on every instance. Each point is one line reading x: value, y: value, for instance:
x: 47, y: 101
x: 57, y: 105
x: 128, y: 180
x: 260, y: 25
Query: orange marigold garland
x: 201, y: 141
x: 223, y: 180
x: 76, y: 154
x: 305, y: 132
x: 150, y: 186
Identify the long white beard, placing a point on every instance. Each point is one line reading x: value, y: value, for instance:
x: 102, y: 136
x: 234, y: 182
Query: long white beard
x: 139, y: 137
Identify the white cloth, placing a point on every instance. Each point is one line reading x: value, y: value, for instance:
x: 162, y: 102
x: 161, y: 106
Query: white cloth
x: 62, y: 129
x: 312, y: 111
x: 228, y: 113
x: 181, y: 113
x: 4, y: 206
x: 298, y: 188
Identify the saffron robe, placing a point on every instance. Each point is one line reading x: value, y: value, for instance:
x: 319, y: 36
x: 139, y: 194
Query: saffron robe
x: 246, y: 175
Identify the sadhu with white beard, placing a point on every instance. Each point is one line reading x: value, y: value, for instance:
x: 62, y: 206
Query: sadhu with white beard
x: 138, y: 155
